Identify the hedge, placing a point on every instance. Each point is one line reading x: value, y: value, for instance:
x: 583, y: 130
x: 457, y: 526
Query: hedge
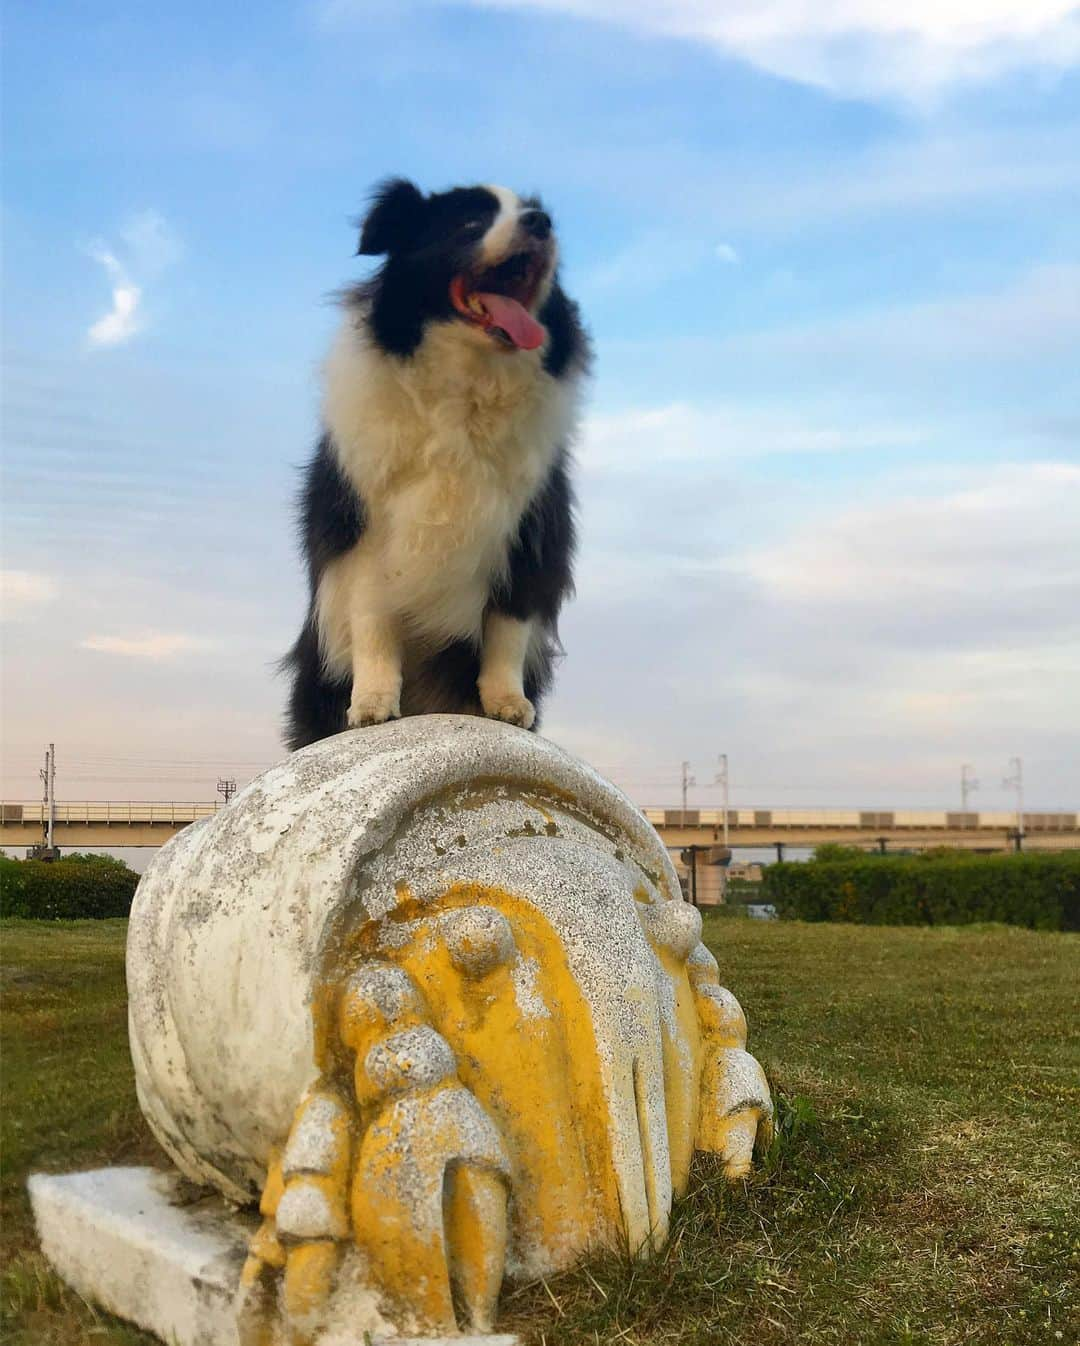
x: 1040, y: 891
x: 70, y: 889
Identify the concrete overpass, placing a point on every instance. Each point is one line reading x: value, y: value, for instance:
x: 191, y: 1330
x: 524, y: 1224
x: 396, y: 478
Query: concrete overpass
x: 99, y: 823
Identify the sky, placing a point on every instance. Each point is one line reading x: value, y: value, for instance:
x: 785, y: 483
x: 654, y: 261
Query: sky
x: 829, y: 471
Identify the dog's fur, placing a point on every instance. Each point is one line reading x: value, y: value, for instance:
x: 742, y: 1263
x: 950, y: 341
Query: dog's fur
x: 437, y: 511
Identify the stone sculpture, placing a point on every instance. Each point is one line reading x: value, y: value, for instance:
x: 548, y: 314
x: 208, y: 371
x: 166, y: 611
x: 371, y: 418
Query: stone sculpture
x: 429, y: 993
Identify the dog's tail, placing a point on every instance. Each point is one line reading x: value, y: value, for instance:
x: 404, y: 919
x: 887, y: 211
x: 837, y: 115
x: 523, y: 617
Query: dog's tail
x: 317, y: 704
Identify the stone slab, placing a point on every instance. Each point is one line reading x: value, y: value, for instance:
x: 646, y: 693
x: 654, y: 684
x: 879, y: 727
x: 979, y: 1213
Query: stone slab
x: 152, y: 1249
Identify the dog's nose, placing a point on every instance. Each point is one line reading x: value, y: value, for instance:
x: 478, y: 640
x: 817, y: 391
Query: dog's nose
x: 536, y: 222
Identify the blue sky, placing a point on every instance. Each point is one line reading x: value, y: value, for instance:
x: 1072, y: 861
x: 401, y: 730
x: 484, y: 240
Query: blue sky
x: 829, y: 474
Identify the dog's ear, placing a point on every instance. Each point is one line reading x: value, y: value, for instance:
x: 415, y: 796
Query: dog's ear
x: 397, y: 209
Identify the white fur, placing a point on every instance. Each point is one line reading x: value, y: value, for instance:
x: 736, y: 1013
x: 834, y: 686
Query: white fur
x: 502, y: 670
x: 500, y: 236
x: 374, y: 635
x: 446, y: 449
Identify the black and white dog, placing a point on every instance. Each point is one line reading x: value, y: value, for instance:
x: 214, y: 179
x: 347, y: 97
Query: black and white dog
x: 436, y: 514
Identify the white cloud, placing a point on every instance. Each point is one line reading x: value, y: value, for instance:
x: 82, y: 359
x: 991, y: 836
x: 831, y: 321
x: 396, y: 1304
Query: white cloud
x: 644, y: 438
x: 122, y: 321
x: 149, y: 246
x: 928, y: 172
x: 23, y: 590
x: 653, y: 260
x: 151, y: 242
x: 934, y: 167
x: 155, y: 645
x: 998, y: 550
x: 1034, y: 313
x: 928, y: 621
x: 868, y: 48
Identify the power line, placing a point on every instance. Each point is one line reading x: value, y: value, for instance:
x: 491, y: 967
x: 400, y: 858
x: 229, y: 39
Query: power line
x: 161, y: 766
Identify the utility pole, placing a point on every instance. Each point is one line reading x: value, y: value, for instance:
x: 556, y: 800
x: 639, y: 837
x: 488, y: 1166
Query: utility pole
x: 1015, y: 781
x: 43, y: 775
x: 48, y: 812
x: 226, y: 787
x: 968, y: 785
x: 722, y: 781
x: 52, y: 796
x: 687, y: 781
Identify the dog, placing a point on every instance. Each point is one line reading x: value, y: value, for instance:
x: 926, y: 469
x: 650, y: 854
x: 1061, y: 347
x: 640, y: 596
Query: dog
x: 437, y: 513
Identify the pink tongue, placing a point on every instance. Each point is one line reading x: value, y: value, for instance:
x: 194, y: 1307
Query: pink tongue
x: 515, y: 320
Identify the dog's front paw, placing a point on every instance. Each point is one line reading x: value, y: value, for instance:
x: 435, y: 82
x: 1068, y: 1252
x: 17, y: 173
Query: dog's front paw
x: 511, y: 707
x: 373, y: 708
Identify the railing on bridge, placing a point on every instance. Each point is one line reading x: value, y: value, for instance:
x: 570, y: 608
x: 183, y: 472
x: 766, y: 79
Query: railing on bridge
x: 179, y: 813
x: 860, y: 819
x: 171, y: 812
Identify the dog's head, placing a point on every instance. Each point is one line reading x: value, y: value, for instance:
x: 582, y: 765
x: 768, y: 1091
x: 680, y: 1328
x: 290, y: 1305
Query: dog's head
x: 480, y: 257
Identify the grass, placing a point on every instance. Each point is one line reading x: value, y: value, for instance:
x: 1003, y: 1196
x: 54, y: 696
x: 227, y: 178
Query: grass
x: 923, y: 1188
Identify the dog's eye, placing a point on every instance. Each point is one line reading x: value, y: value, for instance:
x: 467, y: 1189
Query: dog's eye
x: 473, y: 229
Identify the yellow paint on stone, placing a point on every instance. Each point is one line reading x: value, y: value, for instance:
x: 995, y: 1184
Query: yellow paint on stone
x: 537, y: 1075
x: 682, y: 1071
x: 398, y: 1209
x: 309, y: 1279
x: 476, y: 1236
x: 522, y: 1038
x: 265, y: 1247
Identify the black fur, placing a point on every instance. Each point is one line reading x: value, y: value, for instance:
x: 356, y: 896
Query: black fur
x: 540, y: 573
x: 426, y: 242
x: 331, y: 513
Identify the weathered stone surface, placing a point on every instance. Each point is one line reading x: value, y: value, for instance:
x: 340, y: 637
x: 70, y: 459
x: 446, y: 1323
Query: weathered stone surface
x: 236, y: 918
x: 129, y: 1240
x: 142, y: 1245
x: 429, y: 993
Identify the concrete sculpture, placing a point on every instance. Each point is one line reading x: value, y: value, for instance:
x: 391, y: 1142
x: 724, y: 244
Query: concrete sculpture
x: 430, y: 995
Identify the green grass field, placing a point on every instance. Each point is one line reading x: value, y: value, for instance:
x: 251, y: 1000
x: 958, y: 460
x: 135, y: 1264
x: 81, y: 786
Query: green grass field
x: 924, y: 1187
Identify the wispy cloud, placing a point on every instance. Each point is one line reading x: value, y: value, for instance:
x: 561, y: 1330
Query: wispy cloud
x: 934, y: 168
x: 998, y: 552
x: 151, y: 242
x: 148, y: 247
x: 154, y: 645
x: 652, y: 260
x: 891, y: 631
x: 643, y: 438
x: 1034, y: 313
x: 21, y: 591
x: 851, y: 47
x: 122, y: 321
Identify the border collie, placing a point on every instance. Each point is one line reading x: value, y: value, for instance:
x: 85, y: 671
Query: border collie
x: 437, y: 513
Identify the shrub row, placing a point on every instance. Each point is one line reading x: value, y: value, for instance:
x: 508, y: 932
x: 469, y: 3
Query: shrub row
x: 1040, y: 891
x: 75, y: 888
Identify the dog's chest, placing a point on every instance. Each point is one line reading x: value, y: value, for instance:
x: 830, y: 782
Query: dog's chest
x: 447, y: 451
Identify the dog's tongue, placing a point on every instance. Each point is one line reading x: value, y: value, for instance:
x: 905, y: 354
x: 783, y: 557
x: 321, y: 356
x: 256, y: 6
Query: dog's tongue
x: 515, y: 320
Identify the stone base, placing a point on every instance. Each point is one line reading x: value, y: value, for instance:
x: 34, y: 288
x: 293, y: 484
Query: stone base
x: 152, y: 1249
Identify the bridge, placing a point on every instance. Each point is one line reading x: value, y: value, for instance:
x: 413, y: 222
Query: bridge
x: 98, y: 823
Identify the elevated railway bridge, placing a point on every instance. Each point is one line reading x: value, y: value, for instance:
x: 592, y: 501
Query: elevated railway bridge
x: 702, y: 841
x: 97, y: 823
